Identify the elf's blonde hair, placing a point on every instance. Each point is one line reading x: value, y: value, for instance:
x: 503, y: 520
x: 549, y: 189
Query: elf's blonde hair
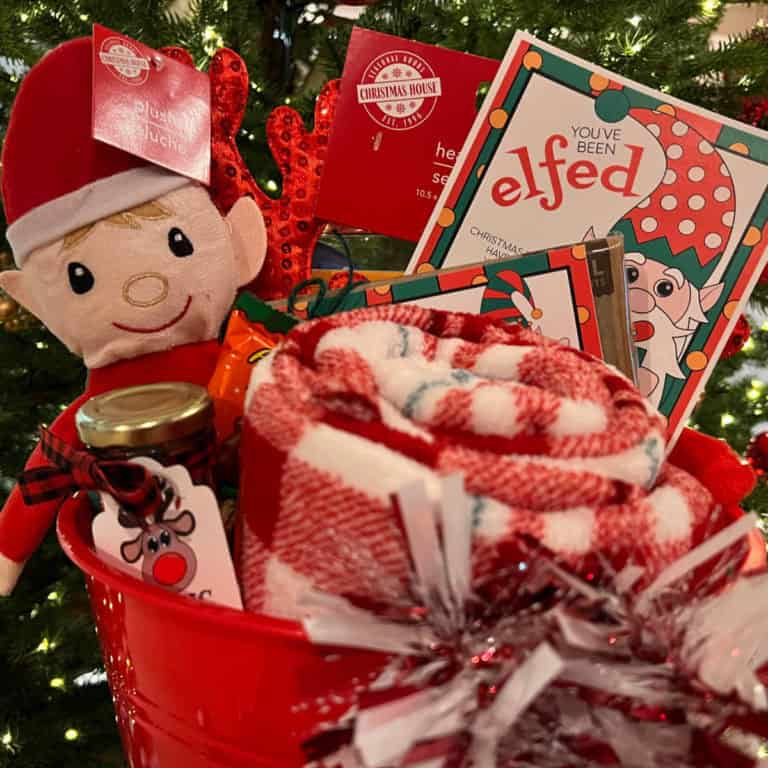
x: 130, y: 219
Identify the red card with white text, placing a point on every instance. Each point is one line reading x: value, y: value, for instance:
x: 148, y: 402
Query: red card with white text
x: 150, y: 105
x: 404, y: 111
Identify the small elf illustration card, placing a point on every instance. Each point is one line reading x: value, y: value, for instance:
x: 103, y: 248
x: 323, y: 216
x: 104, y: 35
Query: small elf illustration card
x: 562, y: 148
x: 549, y: 291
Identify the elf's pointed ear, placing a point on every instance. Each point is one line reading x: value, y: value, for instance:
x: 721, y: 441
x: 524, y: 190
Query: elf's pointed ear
x: 710, y: 294
x: 14, y: 283
x: 249, y: 238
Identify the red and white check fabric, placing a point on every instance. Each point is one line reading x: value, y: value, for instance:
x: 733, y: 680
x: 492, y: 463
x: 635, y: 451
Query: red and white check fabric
x: 551, y: 442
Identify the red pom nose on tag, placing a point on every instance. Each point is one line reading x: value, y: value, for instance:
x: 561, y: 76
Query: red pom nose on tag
x: 642, y: 330
x: 169, y: 569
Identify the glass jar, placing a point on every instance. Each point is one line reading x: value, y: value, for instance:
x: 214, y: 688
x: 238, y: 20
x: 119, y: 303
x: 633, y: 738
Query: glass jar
x: 170, y: 422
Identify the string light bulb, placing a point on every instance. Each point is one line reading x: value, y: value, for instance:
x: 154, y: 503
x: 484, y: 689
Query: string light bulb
x: 57, y: 682
x: 71, y: 734
x: 727, y: 419
x: 45, y: 646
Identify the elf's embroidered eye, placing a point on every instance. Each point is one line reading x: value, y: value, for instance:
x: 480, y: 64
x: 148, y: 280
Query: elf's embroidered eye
x: 81, y: 278
x: 632, y: 274
x: 165, y: 539
x: 179, y: 243
x: 664, y: 288
x: 152, y: 544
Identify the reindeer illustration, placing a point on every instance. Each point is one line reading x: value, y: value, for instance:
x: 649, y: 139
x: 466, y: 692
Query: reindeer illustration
x: 168, y: 562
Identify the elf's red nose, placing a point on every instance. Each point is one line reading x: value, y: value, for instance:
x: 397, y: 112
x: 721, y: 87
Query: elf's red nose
x: 169, y: 569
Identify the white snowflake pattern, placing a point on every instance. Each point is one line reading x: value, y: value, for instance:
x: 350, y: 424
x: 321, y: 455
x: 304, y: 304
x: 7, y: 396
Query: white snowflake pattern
x: 397, y: 72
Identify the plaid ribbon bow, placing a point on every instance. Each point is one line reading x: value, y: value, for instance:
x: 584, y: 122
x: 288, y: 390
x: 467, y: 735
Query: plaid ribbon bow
x: 133, y: 486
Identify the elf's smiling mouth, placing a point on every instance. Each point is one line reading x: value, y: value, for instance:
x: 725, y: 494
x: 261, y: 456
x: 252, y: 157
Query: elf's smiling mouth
x: 160, y: 327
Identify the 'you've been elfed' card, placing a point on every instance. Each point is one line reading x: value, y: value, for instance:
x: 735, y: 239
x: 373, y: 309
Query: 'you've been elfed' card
x: 562, y: 149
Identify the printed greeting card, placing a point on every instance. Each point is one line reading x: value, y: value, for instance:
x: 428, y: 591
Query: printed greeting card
x: 562, y: 148
x: 403, y: 113
x: 549, y: 291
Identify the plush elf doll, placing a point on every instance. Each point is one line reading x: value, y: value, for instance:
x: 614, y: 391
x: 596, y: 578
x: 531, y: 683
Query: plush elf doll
x: 130, y: 265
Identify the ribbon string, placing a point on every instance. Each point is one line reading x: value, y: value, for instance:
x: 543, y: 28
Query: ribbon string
x: 71, y: 470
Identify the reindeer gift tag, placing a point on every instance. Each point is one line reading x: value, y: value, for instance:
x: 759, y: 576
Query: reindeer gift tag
x: 182, y: 548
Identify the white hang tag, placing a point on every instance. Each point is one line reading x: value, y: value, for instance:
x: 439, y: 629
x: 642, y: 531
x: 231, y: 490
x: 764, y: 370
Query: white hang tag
x: 182, y: 549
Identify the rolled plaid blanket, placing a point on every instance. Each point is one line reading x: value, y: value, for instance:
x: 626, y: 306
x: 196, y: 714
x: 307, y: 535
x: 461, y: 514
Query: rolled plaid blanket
x: 551, y: 442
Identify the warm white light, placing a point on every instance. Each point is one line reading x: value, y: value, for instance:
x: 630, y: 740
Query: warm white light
x: 272, y: 185
x: 635, y: 20
x: 57, y: 682
x: 71, y: 734
x: 94, y: 677
x: 727, y: 419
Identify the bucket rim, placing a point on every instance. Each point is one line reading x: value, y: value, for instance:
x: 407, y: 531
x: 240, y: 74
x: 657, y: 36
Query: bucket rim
x: 73, y: 519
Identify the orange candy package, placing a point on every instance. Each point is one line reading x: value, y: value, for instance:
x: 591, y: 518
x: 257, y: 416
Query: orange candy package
x: 253, y: 329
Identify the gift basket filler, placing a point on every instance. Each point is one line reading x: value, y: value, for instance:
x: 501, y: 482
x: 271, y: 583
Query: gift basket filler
x: 371, y: 532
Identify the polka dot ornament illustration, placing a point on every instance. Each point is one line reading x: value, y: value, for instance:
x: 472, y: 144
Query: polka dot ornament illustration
x: 693, y: 206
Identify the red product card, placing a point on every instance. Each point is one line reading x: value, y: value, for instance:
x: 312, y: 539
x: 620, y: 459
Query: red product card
x: 404, y: 111
x: 150, y: 105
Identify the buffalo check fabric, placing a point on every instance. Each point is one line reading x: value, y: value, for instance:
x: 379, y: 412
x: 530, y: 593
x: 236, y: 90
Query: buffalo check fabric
x: 552, y: 443
x: 73, y: 470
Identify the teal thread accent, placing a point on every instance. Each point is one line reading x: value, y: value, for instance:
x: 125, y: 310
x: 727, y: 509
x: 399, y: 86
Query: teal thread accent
x: 459, y: 375
x: 404, y: 339
x: 478, y: 507
x: 651, y: 447
x: 462, y: 375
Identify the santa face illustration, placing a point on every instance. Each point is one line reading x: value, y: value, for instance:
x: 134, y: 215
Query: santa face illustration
x: 676, y: 236
x: 666, y: 310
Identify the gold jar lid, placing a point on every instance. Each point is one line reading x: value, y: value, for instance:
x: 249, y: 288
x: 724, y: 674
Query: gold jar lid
x: 147, y: 415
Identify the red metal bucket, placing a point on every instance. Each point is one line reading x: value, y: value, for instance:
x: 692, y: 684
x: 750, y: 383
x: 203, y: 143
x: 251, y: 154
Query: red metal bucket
x: 202, y: 686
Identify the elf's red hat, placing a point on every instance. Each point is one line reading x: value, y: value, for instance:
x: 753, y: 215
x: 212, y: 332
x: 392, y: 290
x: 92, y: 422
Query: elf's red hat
x: 56, y: 176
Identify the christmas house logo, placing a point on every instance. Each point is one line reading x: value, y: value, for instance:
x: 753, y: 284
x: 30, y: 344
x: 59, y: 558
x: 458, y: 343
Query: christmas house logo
x: 124, y: 60
x: 399, y: 90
